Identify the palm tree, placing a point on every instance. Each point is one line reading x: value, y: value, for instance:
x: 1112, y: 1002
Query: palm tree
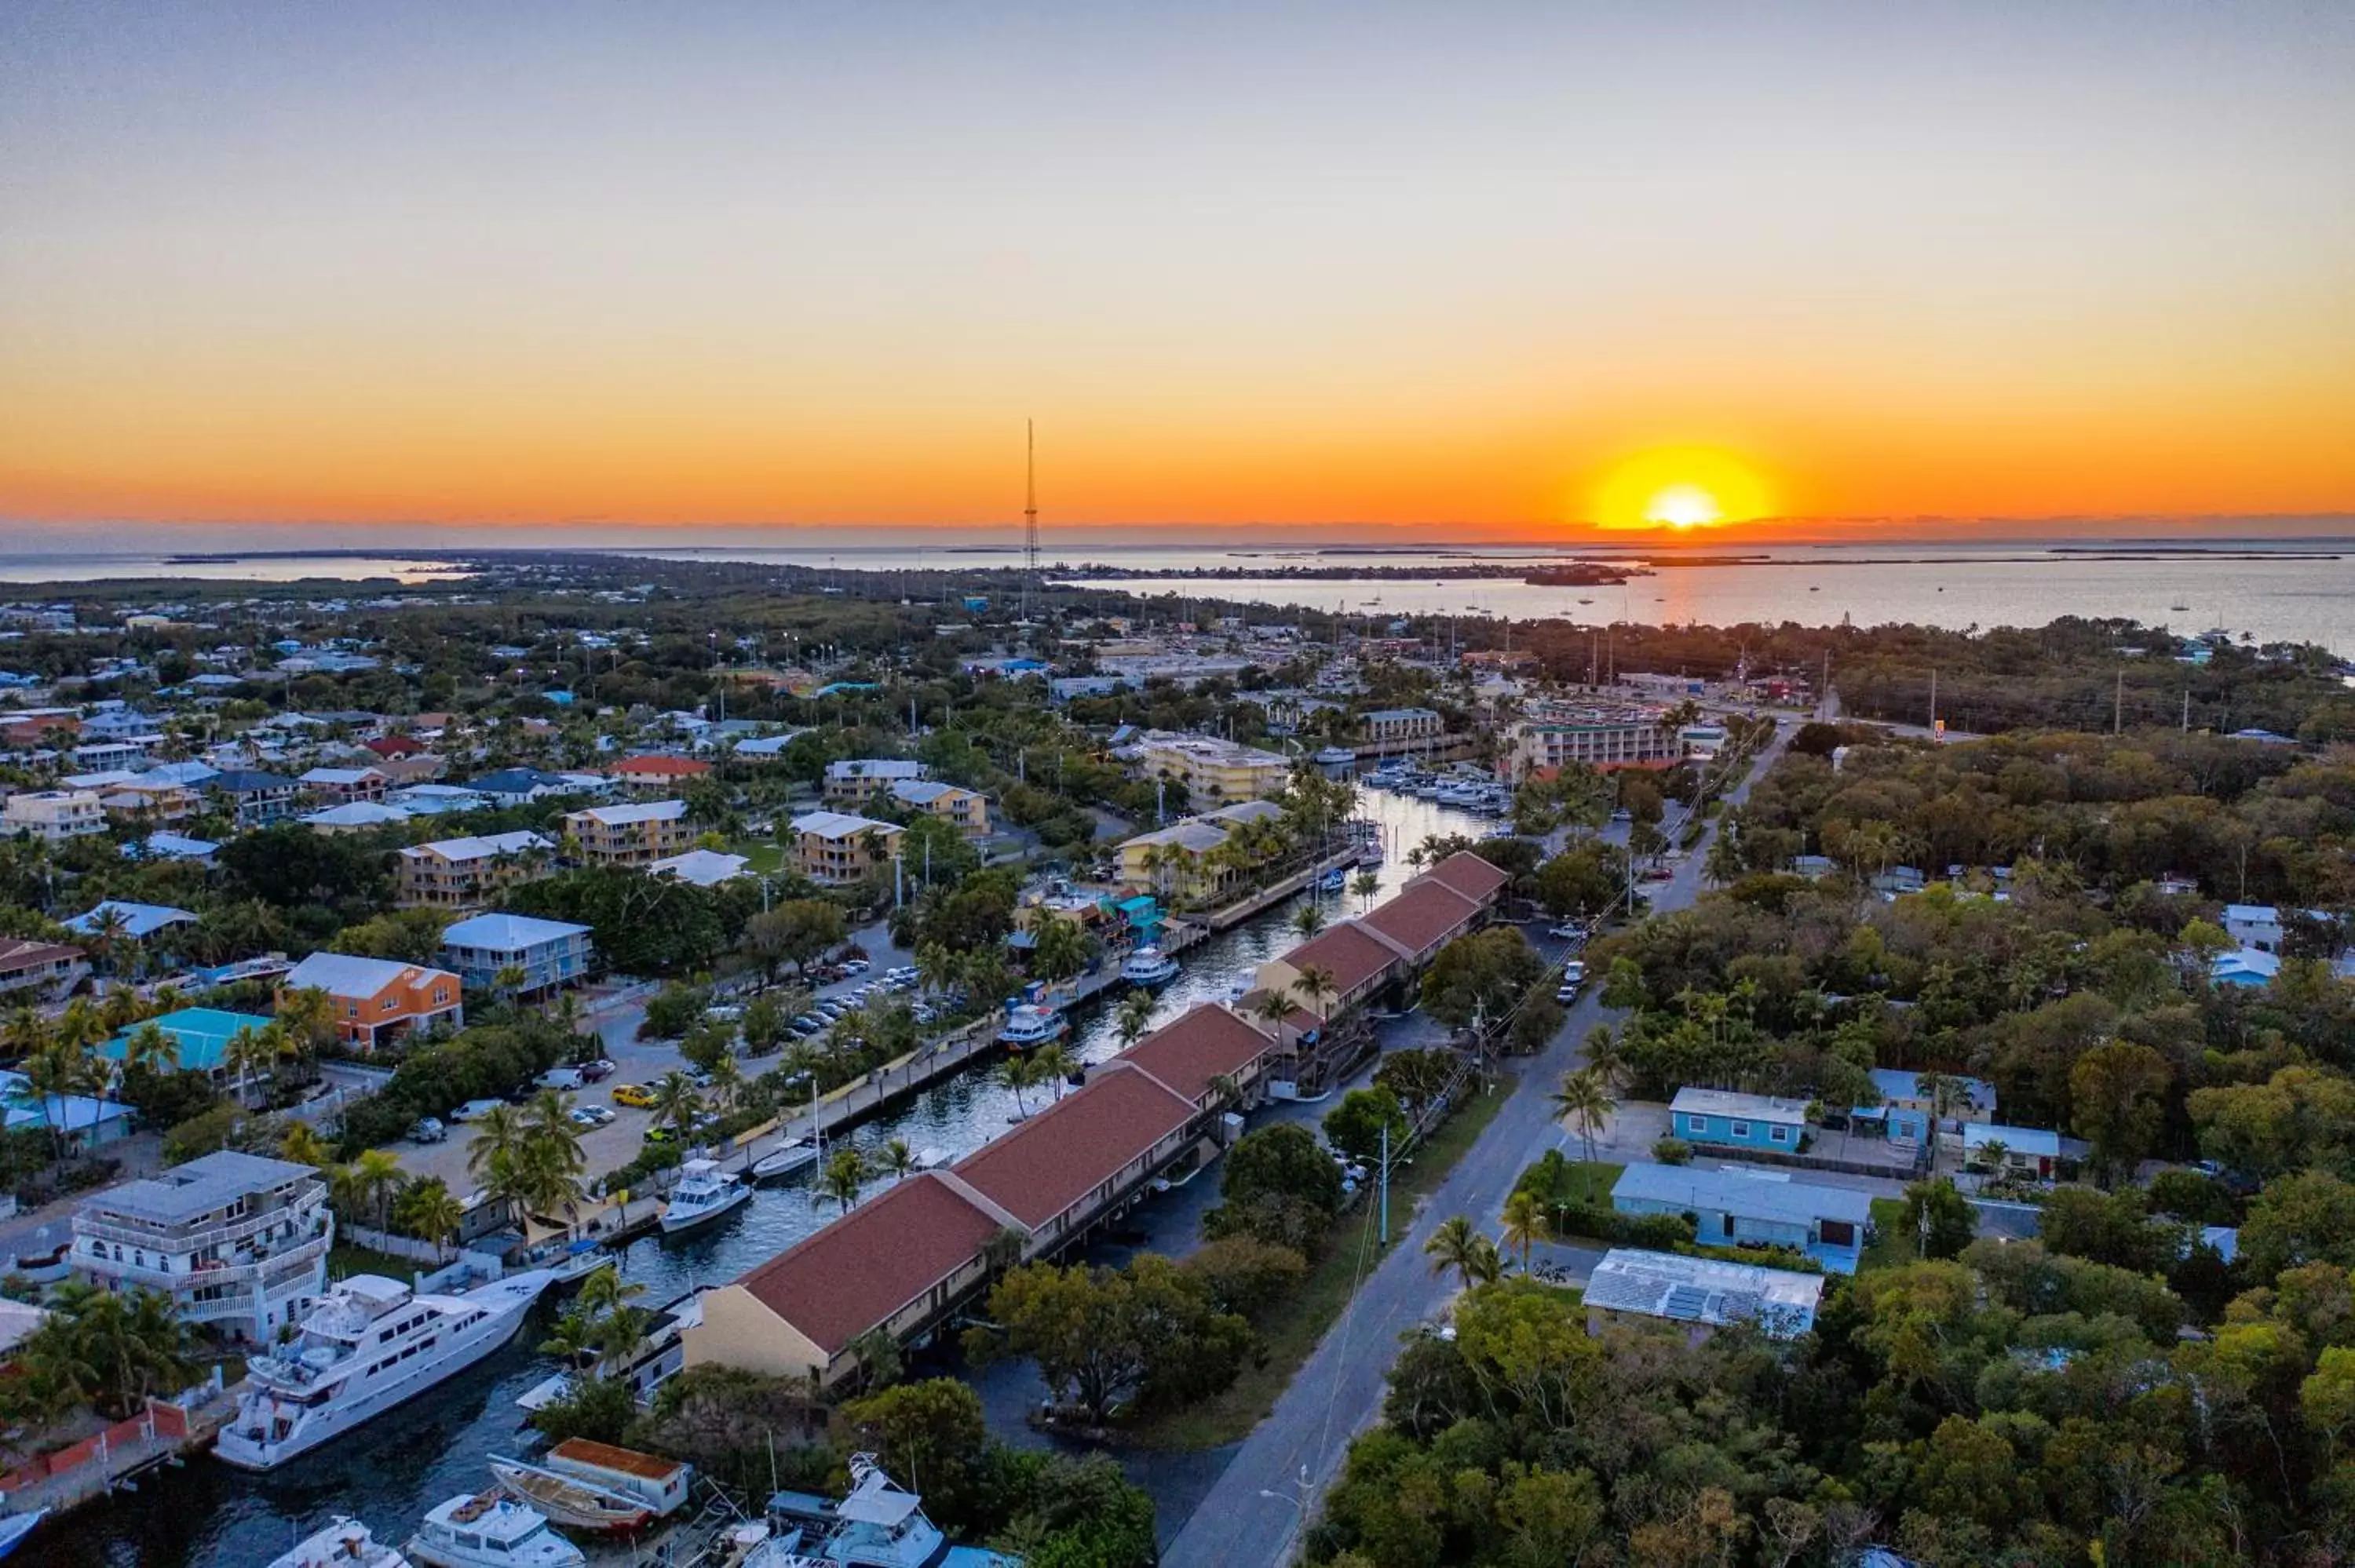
x: 1456, y: 1246
x: 498, y: 1135
x: 1051, y: 1065
x: 23, y: 1033
x: 1607, y: 1056
x: 1308, y: 919
x: 1018, y: 1074
x: 846, y: 1172
x: 1135, y: 1017
x: 509, y: 979
x: 308, y: 1016
x: 1274, y: 1007
x: 302, y: 1146
x: 1062, y: 950
x: 376, y: 1177
x: 248, y: 1052
x: 677, y: 1103
x: 604, y: 1290
x: 1525, y: 1224
x: 897, y: 1161
x: 431, y: 1212
x: 1586, y: 1102
x: 1365, y: 885
x: 62, y: 1071
x: 152, y: 1047
x: 1316, y: 984
x: 727, y: 1080
x: 1225, y: 1094
x: 106, y: 933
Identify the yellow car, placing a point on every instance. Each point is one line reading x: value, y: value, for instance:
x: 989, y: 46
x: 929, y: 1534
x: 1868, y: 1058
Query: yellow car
x: 634, y: 1094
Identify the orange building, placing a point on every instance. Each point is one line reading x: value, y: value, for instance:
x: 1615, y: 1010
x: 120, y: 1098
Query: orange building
x: 379, y: 1001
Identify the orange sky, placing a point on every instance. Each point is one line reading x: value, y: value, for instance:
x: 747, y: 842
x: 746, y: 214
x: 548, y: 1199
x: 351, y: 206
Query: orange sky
x: 796, y: 270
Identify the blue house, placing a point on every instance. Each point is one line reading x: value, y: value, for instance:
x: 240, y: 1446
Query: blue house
x: 2250, y: 966
x: 550, y: 953
x: 1903, y: 1116
x: 1757, y: 1207
x: 201, y: 1033
x: 1725, y: 1119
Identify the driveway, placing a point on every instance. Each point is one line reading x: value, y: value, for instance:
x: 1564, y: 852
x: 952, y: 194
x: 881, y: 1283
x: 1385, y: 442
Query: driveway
x: 1251, y: 1515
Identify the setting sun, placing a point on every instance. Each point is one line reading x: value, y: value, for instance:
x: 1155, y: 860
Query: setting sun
x: 1681, y: 488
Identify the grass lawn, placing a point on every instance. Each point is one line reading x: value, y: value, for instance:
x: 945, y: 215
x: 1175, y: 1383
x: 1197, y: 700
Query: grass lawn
x: 1893, y: 1246
x: 767, y: 857
x: 1591, y: 1183
x: 1292, y: 1330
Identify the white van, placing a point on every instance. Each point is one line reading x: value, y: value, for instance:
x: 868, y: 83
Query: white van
x: 565, y: 1078
x: 474, y: 1108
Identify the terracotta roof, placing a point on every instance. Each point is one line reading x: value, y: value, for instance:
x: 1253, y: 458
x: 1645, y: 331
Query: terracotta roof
x: 394, y: 745
x: 1468, y: 875
x: 1076, y: 1145
x: 835, y: 1286
x: 663, y: 767
x: 605, y: 1457
x: 1422, y: 916
x: 1208, y: 1043
x: 18, y: 953
x: 1353, y: 954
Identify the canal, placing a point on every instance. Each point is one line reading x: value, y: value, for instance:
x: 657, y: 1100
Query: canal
x: 389, y: 1472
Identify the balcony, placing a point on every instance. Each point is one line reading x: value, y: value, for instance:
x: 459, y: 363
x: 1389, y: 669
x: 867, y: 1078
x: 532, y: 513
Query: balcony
x: 180, y: 1246
x: 177, y: 1281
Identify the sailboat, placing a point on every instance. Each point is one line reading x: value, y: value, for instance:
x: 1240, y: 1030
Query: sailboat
x: 794, y: 1154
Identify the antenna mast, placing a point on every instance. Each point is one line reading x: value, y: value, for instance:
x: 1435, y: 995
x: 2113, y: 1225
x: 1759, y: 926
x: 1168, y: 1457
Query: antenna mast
x: 1030, y: 513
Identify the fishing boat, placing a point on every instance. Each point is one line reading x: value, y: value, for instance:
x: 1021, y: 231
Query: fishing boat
x: 1031, y: 1024
x: 1333, y: 881
x: 15, y: 1527
x: 1336, y: 757
x: 569, y: 1500
x: 371, y: 1344
x: 345, y: 1543
x: 1149, y: 966
x: 488, y: 1530
x: 878, y: 1525
x: 704, y: 1193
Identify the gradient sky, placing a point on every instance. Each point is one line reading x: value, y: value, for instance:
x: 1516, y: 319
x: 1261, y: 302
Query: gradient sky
x: 1443, y: 263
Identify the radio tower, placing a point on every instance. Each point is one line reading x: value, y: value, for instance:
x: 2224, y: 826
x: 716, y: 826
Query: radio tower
x: 1030, y: 513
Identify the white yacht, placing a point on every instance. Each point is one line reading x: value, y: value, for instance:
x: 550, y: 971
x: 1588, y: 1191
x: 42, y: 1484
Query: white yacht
x: 878, y: 1525
x: 488, y: 1530
x: 371, y: 1344
x: 704, y: 1193
x: 1029, y: 1024
x: 794, y: 1154
x: 346, y: 1543
x: 1148, y: 966
x: 1336, y: 756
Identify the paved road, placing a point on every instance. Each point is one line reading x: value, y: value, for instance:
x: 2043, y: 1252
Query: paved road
x: 1252, y: 1513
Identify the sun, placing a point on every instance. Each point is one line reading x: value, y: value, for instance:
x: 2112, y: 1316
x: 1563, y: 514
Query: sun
x: 1679, y: 489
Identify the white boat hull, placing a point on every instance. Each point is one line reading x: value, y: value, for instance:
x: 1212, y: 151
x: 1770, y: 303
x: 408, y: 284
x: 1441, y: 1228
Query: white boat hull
x: 320, y: 1423
x: 572, y: 1503
x: 736, y: 1198
x: 783, y: 1161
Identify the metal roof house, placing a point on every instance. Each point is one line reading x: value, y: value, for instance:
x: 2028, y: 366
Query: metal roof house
x: 1725, y: 1118
x: 1732, y: 1208
x: 1701, y: 1293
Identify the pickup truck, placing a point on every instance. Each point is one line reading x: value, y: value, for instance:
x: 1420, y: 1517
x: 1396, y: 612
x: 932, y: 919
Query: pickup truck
x: 472, y: 1109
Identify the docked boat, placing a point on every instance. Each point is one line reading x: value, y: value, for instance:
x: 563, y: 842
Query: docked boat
x: 796, y: 1154
x: 569, y: 1501
x: 1029, y: 1024
x: 704, y: 1192
x: 372, y: 1344
x: 878, y: 1525
x: 346, y: 1543
x: 1148, y: 966
x: 488, y: 1530
x: 1334, y: 881
x: 659, y: 1483
x: 1336, y: 757
x: 15, y: 1527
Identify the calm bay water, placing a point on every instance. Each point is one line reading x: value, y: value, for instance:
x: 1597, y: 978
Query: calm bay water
x: 207, y: 1515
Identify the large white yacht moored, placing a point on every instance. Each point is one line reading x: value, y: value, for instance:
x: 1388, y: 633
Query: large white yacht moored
x: 1029, y: 1024
x: 345, y: 1543
x: 488, y: 1530
x: 1148, y: 966
x: 371, y: 1344
x: 704, y: 1192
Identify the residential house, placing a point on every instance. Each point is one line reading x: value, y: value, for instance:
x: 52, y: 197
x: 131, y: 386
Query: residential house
x: 637, y: 834
x: 1700, y: 1293
x: 81, y: 1121
x: 139, y: 922
x: 377, y: 1001
x: 549, y: 953
x: 1722, y: 1118
x: 460, y: 874
x: 857, y: 781
x: 704, y: 868
x: 1077, y: 1157
x: 179, y: 847
x: 963, y: 809
x: 1753, y: 1207
x: 2257, y: 926
x: 1210, y: 768
x: 46, y: 971
x: 1390, y: 728
x: 255, y: 797
x: 143, y: 798
x: 837, y: 848
x: 200, y: 1037
x: 521, y: 785
x: 2026, y: 1151
x: 1904, y: 1113
x: 2250, y: 968
x: 1174, y: 862
x: 353, y: 817
x: 344, y: 786
x: 1206, y: 1043
x: 53, y: 815
x: 239, y: 1242
x: 650, y: 775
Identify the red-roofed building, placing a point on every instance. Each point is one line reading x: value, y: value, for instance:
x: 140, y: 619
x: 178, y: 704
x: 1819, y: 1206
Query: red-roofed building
x: 1468, y: 875
x: 897, y: 1262
x: 1074, y: 1159
x: 662, y: 775
x: 1423, y: 918
x: 1207, y: 1043
x: 394, y: 745
x: 1357, y: 961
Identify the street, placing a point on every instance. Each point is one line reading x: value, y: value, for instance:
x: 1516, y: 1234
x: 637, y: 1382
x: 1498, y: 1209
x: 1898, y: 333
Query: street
x: 1253, y: 1513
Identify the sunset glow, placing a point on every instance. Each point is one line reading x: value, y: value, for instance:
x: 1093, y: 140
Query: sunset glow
x: 1680, y: 489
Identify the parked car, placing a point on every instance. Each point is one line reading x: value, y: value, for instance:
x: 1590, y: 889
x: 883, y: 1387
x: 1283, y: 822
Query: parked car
x: 564, y: 1078
x: 728, y: 1013
x: 662, y: 1135
x: 1568, y: 931
x: 590, y: 1115
x: 429, y: 1129
x: 474, y: 1108
x: 634, y: 1094
x: 596, y: 1072
x: 698, y: 1078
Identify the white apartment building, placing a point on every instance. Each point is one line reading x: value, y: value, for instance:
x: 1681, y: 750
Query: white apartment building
x: 53, y: 814
x: 1212, y: 769
x: 239, y: 1242
x: 1392, y: 727
x: 1553, y: 737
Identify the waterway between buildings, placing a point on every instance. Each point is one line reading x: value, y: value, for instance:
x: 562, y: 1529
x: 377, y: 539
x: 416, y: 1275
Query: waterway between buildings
x: 208, y: 1515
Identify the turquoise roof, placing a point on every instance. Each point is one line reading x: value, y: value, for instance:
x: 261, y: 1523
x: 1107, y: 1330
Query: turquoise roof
x: 203, y: 1034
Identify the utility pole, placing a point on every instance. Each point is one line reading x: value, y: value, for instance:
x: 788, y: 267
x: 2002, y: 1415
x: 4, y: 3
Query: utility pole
x: 2118, y: 704
x: 2187, y: 710
x: 1386, y: 1183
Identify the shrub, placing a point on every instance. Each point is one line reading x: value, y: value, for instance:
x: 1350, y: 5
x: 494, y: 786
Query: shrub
x: 484, y: 1063
x: 1658, y: 1233
x: 1672, y: 1151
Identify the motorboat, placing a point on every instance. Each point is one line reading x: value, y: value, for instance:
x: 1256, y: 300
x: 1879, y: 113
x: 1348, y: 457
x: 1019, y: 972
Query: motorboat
x: 795, y: 1154
x: 370, y: 1345
x: 1148, y: 966
x: 15, y: 1527
x: 571, y: 1501
x: 1029, y: 1024
x: 345, y: 1543
x: 1336, y: 757
x: 1333, y: 881
x: 704, y: 1193
x: 878, y: 1525
x: 485, y: 1530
